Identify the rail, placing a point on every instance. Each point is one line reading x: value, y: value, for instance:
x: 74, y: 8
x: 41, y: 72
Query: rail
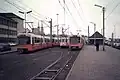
x: 54, y: 69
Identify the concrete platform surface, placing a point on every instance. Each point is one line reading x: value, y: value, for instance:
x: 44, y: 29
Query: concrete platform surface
x: 93, y: 65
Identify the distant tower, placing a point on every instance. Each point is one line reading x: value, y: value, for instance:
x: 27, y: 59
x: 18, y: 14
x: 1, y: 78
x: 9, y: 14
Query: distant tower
x: 38, y: 28
x: 62, y: 31
x: 42, y: 29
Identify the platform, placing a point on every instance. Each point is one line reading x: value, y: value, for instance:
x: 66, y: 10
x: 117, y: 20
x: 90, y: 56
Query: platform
x: 93, y: 65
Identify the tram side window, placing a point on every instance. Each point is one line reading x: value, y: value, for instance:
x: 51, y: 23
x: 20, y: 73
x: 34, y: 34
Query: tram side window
x: 56, y: 40
x: 33, y: 40
x: 62, y: 40
x: 79, y: 39
x: 41, y: 40
x: 52, y: 40
x: 28, y: 41
x: 37, y: 40
x: 66, y: 40
x: 46, y: 40
x: 59, y: 40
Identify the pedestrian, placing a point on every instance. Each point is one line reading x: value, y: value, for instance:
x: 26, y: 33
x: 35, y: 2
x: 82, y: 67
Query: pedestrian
x: 97, y: 46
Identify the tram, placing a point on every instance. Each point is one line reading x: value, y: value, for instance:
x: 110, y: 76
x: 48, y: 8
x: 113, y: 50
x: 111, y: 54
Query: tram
x: 31, y: 42
x: 64, y: 42
x: 76, y: 42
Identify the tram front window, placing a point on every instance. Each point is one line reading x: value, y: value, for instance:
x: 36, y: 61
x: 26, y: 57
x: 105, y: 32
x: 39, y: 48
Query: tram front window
x: 74, y: 40
x: 63, y: 40
x: 23, y: 40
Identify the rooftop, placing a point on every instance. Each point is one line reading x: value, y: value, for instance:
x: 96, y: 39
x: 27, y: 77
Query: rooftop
x: 10, y: 15
x: 96, y: 35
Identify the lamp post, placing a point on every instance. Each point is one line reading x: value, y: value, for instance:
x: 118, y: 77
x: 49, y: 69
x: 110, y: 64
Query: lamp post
x: 78, y: 31
x: 94, y: 31
x: 114, y: 32
x: 50, y: 22
x: 88, y: 34
x: 102, y: 31
x: 68, y: 30
x: 25, y: 13
x: 103, y: 9
x: 57, y: 28
x: 50, y: 29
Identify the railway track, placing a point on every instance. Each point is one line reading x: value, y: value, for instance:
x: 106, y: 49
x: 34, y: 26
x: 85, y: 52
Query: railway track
x: 54, y: 69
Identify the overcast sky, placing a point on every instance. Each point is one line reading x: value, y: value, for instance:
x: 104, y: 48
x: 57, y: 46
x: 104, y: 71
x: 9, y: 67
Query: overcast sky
x: 83, y: 12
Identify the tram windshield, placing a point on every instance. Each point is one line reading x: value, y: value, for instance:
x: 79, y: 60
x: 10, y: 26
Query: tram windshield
x: 74, y: 40
x: 23, y: 40
x: 63, y: 40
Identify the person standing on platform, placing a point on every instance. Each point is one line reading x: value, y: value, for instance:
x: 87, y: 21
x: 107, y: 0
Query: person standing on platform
x: 97, y: 46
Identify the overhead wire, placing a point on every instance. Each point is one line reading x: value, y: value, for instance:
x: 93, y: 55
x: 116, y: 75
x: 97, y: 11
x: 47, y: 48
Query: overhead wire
x: 112, y: 10
x: 32, y: 9
x: 76, y: 10
x: 71, y: 15
x: 64, y: 12
x: 63, y: 9
x: 110, y: 3
x: 19, y: 7
x: 61, y: 4
x: 34, y: 14
x: 68, y: 11
x: 3, y: 9
x: 81, y: 9
x: 13, y: 5
x: 38, y: 14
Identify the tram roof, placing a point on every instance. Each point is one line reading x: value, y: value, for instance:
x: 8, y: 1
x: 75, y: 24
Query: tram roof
x: 34, y: 35
x: 29, y: 34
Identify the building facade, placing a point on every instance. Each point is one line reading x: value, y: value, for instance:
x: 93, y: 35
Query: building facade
x: 9, y: 27
x: 96, y: 37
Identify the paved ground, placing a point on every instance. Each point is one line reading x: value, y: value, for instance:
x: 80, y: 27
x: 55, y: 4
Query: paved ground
x: 13, y: 49
x: 92, y: 65
x: 24, y: 66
